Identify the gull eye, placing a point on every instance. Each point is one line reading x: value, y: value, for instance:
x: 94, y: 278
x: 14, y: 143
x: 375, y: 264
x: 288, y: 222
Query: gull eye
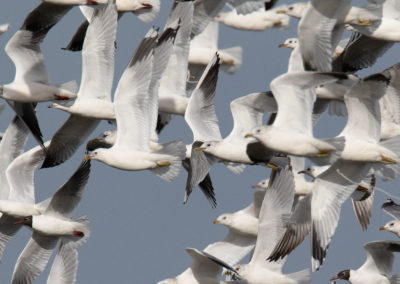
x: 291, y: 8
x: 223, y: 218
x: 391, y: 224
x: 208, y: 145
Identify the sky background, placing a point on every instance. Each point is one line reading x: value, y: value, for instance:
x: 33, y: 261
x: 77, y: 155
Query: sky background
x: 139, y: 225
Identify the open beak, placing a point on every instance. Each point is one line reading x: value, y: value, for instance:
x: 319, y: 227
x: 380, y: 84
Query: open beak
x: 382, y: 228
x: 249, y: 135
x: 283, y: 45
x: 302, y: 172
x: 87, y: 157
x: 18, y: 223
x: 199, y: 149
x: 215, y: 222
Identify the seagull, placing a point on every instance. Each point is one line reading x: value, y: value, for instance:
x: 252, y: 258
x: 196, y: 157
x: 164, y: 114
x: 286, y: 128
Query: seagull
x: 94, y: 96
x: 134, y: 106
x: 320, y: 29
x: 386, y: 27
x: 65, y: 266
x: 258, y: 20
x: 291, y: 132
x: 24, y: 50
x: 378, y: 266
x: 54, y: 223
x: 389, y: 106
x: 276, y: 207
x: 393, y: 209
x: 202, y: 50
x: 247, y: 113
x: 244, y: 221
x: 236, y: 245
x: 11, y: 146
x: 172, y: 98
x: 146, y: 11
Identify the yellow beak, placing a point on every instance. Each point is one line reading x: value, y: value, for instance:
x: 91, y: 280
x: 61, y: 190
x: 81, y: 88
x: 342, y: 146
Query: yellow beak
x: 215, y: 222
x: 87, y: 157
x: 199, y: 148
x: 281, y: 12
x: 249, y: 135
x: 382, y: 228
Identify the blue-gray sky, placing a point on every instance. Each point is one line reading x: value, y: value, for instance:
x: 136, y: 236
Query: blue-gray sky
x: 139, y: 225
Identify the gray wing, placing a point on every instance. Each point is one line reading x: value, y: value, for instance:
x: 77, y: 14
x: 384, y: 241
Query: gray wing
x: 7, y: 230
x: 297, y: 229
x: 198, y: 170
x: 65, y: 266
x: 68, y: 138
x: 363, y: 206
x: 331, y: 189
x: 392, y: 208
x: 360, y: 52
x: 274, y: 213
x: 232, y: 248
x: 68, y: 196
x: 380, y: 256
x: 204, y: 12
x: 33, y: 259
x: 11, y: 146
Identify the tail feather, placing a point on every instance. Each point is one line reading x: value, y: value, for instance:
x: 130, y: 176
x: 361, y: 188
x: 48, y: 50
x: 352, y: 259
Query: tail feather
x: 177, y: 150
x: 338, y: 143
x: 148, y: 14
x: 71, y: 86
x: 389, y: 171
x: 84, y: 226
x: 231, y: 59
x: 301, y: 277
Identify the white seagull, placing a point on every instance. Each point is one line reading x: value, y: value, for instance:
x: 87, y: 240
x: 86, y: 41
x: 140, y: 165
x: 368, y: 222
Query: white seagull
x: 134, y: 108
x: 94, y: 96
x: 54, y: 223
x: 378, y: 266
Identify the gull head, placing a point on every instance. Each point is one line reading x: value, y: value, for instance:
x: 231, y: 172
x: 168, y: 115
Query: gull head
x: 98, y: 154
x: 104, y: 140
x: 257, y: 133
x: 261, y: 184
x: 296, y: 10
x: 208, y: 147
x: 342, y: 275
x: 392, y: 226
x: 27, y: 221
x: 224, y: 219
x: 290, y: 43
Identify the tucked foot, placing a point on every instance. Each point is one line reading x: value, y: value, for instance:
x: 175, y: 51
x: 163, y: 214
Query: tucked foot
x: 272, y: 166
x: 323, y: 153
x: 61, y: 98
x: 161, y: 164
x: 364, y: 22
x: 147, y: 5
x: 78, y: 234
x: 277, y: 23
x: 387, y: 160
x: 229, y: 62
